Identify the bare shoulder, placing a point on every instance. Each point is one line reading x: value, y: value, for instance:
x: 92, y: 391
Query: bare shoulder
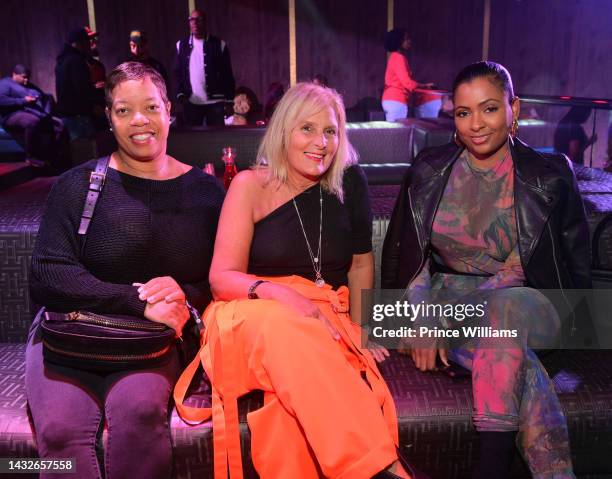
x: 251, y: 181
x: 255, y: 191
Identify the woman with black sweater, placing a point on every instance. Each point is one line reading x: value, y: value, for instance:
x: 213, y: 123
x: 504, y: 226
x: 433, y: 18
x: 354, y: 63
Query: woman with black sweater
x: 147, y: 253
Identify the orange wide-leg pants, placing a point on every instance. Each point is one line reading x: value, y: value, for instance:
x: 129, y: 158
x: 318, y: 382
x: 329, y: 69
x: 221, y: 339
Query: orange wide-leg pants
x: 320, y: 417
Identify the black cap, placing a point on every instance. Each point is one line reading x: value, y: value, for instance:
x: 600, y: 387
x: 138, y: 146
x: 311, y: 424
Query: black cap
x: 77, y: 35
x: 138, y: 37
x: 20, y: 69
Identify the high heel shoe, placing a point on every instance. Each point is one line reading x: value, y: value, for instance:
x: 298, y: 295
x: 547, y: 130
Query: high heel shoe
x: 409, y: 468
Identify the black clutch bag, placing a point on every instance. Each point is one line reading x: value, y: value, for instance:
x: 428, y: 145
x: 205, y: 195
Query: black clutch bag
x: 104, y: 342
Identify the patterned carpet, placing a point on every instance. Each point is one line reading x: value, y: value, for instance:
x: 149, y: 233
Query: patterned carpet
x: 434, y: 414
x: 434, y: 410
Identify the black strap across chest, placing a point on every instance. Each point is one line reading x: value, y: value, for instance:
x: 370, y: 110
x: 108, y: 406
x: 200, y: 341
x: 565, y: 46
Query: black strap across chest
x: 96, y: 182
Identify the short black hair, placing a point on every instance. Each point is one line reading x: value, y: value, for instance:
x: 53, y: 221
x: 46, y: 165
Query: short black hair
x: 394, y: 39
x: 494, y: 72
x: 133, y: 71
x: 20, y: 69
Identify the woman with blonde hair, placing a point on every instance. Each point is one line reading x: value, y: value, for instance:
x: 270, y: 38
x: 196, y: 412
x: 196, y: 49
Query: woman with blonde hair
x: 292, y: 254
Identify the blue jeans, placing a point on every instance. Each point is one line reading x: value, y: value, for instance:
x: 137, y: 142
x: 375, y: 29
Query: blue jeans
x: 70, y: 407
x: 394, y: 110
x: 428, y: 110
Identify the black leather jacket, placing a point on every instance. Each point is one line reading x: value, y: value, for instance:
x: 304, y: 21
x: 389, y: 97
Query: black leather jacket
x: 553, y: 235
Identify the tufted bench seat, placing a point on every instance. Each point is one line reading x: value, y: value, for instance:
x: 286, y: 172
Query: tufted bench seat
x: 433, y: 409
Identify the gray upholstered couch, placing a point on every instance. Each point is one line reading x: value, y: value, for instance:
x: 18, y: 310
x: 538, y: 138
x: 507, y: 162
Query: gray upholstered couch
x: 433, y: 409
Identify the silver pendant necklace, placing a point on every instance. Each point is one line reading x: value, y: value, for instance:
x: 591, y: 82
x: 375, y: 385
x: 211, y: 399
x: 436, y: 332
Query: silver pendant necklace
x: 317, y: 262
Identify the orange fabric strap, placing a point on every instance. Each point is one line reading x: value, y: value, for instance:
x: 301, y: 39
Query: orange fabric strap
x: 218, y: 357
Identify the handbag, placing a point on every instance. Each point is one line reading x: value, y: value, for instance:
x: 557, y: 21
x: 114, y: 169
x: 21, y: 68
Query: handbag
x: 103, y: 342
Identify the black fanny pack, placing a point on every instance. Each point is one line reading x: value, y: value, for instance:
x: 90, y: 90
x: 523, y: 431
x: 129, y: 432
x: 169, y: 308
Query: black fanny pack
x: 104, y: 342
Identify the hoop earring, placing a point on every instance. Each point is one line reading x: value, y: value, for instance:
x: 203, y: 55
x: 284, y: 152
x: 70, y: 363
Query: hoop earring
x: 514, y: 128
x: 456, y: 139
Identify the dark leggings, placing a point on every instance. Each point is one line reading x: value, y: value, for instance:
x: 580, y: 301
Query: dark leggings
x: 69, y: 407
x: 41, y: 138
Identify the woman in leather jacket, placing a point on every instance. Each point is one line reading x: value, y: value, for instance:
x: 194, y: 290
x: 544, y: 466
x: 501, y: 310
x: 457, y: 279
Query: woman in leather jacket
x: 496, y: 219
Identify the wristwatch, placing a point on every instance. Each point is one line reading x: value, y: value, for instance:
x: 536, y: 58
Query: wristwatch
x: 252, y: 294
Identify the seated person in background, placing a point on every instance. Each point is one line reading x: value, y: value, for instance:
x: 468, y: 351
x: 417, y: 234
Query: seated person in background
x: 447, y: 110
x: 154, y: 226
x: 292, y: 254
x: 275, y: 92
x: 570, y: 137
x: 462, y: 213
x: 139, y: 52
x: 25, y: 113
x: 247, y: 110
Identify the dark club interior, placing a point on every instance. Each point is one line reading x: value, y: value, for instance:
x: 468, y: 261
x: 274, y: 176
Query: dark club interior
x: 460, y: 145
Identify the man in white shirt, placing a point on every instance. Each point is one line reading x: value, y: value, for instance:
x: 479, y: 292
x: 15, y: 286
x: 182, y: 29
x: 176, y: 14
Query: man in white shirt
x: 203, y: 72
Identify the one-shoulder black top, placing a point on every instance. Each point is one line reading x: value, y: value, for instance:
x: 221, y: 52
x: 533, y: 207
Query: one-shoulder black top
x: 279, y: 247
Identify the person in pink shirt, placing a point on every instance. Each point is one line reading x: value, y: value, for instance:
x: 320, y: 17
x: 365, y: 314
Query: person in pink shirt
x: 399, y: 83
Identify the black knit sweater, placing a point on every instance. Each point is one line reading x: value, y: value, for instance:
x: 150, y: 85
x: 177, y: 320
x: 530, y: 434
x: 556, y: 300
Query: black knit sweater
x: 141, y: 229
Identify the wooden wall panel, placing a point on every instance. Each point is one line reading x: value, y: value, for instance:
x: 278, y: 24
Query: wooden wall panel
x: 446, y: 36
x: 165, y: 22
x: 257, y: 33
x: 522, y: 39
x: 554, y: 48
x: 32, y: 32
x: 343, y: 40
x: 550, y: 46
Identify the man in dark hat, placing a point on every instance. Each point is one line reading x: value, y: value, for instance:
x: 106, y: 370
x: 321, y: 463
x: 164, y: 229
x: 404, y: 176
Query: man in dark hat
x: 203, y: 86
x: 25, y: 113
x: 76, y: 94
x: 139, y: 52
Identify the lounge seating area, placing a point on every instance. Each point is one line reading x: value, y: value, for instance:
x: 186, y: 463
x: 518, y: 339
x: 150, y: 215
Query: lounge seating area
x: 434, y: 409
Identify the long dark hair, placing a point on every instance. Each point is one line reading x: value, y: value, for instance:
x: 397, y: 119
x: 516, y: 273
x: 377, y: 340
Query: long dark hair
x: 254, y: 112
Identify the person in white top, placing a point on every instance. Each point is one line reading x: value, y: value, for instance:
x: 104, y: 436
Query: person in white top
x: 203, y: 73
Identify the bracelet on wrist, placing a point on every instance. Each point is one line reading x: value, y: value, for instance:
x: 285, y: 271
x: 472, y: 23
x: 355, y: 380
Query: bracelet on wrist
x: 195, y: 315
x: 252, y: 294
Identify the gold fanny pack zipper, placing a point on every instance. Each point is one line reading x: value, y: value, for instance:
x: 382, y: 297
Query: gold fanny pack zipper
x: 108, y: 357
x: 123, y: 323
